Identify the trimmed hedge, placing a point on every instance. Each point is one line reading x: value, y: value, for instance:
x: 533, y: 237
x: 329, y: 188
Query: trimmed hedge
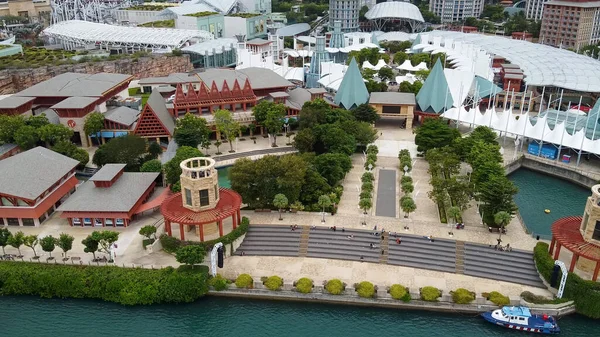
x: 430, y: 294
x: 462, y: 296
x: 171, y: 244
x: 335, y: 287
x: 498, y: 299
x: 585, y: 294
x: 537, y: 299
x: 219, y: 282
x: 399, y: 292
x: 304, y: 285
x: 244, y: 281
x: 365, y: 289
x: 125, y: 286
x: 274, y: 283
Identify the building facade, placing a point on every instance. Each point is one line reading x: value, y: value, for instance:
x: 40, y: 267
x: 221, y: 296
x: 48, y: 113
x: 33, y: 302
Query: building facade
x: 34, y: 9
x: 570, y: 24
x: 345, y: 11
x: 534, y: 9
x: 30, y: 194
x: 456, y: 10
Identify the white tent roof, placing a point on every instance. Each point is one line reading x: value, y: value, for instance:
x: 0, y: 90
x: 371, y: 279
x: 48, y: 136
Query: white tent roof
x: 459, y: 83
x: 394, y: 36
x: 542, y: 65
x: 396, y: 10
x: 298, y: 53
x: 90, y: 32
x: 407, y: 65
x: 421, y: 66
x: 408, y: 77
x: 368, y: 65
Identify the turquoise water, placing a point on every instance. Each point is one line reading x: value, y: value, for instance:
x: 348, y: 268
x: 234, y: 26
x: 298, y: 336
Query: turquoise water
x: 223, y: 317
x: 223, y: 178
x: 538, y: 192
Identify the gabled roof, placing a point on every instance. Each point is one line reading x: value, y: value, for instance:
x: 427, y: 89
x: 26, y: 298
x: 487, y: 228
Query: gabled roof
x: 435, y: 96
x: 352, y: 91
x: 75, y: 103
x: 155, y: 111
x: 13, y: 102
x: 28, y: 174
x: 107, y: 172
x: 75, y: 84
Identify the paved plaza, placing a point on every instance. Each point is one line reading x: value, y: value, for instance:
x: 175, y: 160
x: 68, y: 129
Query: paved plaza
x: 386, y: 194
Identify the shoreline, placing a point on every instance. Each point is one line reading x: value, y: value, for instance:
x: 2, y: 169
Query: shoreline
x: 558, y: 310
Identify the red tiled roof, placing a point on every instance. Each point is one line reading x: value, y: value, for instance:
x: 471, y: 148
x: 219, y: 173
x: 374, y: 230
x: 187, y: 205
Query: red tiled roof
x: 566, y: 232
x: 229, y: 203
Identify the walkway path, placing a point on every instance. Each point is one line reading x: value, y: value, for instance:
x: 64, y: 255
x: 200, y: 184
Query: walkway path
x: 386, y: 194
x: 237, y: 155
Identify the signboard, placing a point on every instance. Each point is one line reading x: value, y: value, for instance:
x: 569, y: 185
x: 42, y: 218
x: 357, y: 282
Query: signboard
x: 71, y: 123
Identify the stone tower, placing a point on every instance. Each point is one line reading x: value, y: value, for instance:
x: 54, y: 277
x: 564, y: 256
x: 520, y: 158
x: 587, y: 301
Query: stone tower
x: 199, y: 184
x: 590, y: 225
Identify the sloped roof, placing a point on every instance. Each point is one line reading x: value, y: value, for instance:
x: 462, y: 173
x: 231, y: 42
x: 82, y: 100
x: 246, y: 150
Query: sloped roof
x: 485, y: 88
x: 75, y: 103
x: 107, y: 172
x: 158, y: 105
x: 352, y: 91
x: 75, y: 84
x: 13, y: 102
x: 122, y: 115
x: 435, y: 96
x: 28, y: 174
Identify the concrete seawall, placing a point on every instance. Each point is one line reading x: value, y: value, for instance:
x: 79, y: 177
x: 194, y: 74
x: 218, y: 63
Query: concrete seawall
x: 550, y: 167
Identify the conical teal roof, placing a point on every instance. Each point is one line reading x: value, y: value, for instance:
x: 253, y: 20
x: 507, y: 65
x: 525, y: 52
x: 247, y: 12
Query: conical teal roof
x: 416, y: 41
x: 485, y: 88
x: 435, y: 95
x: 352, y: 91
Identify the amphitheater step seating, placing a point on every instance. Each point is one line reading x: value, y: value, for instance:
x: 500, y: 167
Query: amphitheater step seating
x: 515, y: 266
x: 271, y: 240
x: 413, y: 251
x: 419, y: 252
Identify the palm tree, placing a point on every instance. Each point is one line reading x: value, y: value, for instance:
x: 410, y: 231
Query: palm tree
x: 502, y: 218
x: 280, y: 201
x: 454, y: 212
x: 324, y: 201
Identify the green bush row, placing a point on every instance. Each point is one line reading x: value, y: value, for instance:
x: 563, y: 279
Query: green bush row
x: 462, y: 296
x: 585, y: 294
x: 399, y: 292
x: 430, y: 294
x: 365, y: 289
x: 171, y: 244
x: 125, y: 286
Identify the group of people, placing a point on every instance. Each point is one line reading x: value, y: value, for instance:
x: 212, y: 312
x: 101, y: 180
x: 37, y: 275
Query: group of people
x: 294, y: 227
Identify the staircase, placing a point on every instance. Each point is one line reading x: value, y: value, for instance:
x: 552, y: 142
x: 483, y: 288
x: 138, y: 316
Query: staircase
x: 460, y: 257
x: 385, y: 249
x: 304, y: 241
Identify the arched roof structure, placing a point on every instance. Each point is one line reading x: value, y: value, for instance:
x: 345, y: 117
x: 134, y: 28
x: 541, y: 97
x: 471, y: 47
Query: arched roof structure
x: 542, y: 65
x: 384, y: 12
x: 82, y: 33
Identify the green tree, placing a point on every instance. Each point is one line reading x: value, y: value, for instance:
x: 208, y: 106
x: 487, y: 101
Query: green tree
x: 37, y: 121
x: 361, y: 13
x: 228, y: 127
x: 127, y: 150
x: 16, y: 240
x: 31, y: 241
x: 153, y: 165
x: 48, y: 244
x: 459, y: 190
x: 434, y: 133
x: 65, y: 242
x: 69, y: 149
x: 385, y: 74
x: 335, y: 140
x: 333, y: 166
x: 502, y: 219
x: 51, y: 134
x: 365, y: 204
x: 90, y: 244
x: 405, y: 86
x: 172, y: 169
x: 366, y: 113
x: 26, y: 137
x: 280, y: 201
x: 304, y: 141
x: 400, y: 57
x: 407, y: 188
x: 105, y: 240
x: 324, y: 202
x: 4, y: 236
x: 270, y: 115
x: 192, y: 131
x: 148, y: 231
x: 93, y: 124
x: 455, y: 213
x: 418, y: 58
x: 422, y: 75
x: 154, y: 149
x: 9, y: 126
x: 496, y: 195
x: 408, y: 205
x: 190, y: 255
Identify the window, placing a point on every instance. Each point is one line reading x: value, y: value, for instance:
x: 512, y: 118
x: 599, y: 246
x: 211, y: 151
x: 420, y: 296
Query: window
x: 76, y: 221
x: 119, y: 222
x: 204, y: 200
x: 596, y: 234
x: 13, y: 222
x: 188, y: 197
x: 28, y: 222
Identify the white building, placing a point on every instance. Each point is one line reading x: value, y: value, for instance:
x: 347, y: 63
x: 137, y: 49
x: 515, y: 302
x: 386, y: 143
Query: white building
x: 534, y: 9
x: 456, y: 10
x: 345, y: 11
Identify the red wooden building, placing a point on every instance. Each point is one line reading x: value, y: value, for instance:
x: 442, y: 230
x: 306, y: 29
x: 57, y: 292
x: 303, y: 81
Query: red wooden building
x: 33, y: 184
